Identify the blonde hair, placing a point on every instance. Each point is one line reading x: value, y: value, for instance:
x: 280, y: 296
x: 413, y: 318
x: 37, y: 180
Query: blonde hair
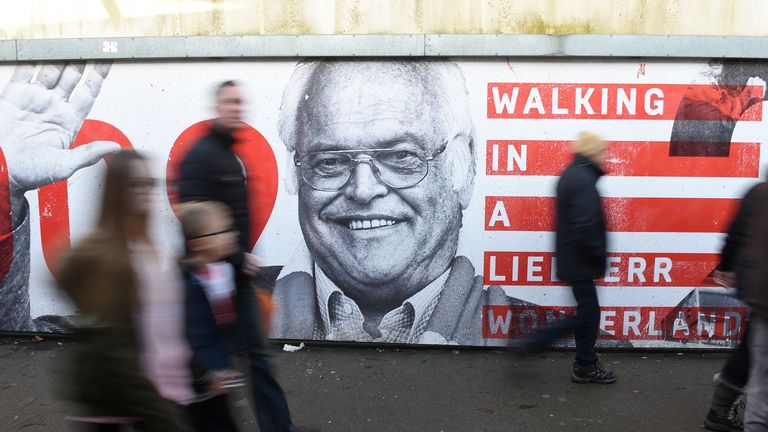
x: 195, y: 216
x: 588, y: 144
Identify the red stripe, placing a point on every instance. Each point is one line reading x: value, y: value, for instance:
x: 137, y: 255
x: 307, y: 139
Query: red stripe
x: 624, y: 269
x: 516, y: 213
x: 623, y: 101
x: 622, y: 322
x: 626, y: 158
x: 6, y: 219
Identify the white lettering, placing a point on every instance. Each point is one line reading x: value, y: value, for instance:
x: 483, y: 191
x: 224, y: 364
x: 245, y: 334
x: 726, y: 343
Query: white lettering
x: 504, y: 102
x: 679, y: 325
x: 493, y: 276
x: 582, y: 101
x: 636, y: 268
x: 534, y: 101
x: 630, y: 103
x: 709, y: 324
x: 514, y: 157
x: 654, y: 107
x: 632, y: 321
x: 609, y: 272
x: 499, y: 215
x: 605, y: 322
x: 604, y: 101
x: 532, y: 267
x: 661, y: 267
x: 499, y: 322
x: 555, y: 102
x: 495, y: 157
x: 652, y: 323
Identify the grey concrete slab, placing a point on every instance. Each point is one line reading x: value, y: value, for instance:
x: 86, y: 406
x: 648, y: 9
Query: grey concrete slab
x: 368, y: 389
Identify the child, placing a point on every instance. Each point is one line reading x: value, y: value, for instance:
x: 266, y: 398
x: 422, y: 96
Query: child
x: 210, y: 312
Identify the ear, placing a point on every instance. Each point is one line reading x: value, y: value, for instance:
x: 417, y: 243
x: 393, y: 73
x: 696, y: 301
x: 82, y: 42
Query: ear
x: 291, y: 176
x: 460, y: 162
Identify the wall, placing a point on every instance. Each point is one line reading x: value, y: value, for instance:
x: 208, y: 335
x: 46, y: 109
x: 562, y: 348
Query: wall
x: 36, y: 19
x: 685, y: 143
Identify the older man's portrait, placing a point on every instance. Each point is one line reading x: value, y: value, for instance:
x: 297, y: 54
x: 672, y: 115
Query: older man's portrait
x: 383, y: 166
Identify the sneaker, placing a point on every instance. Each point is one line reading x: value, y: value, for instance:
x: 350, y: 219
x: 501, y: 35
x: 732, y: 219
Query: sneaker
x: 594, y: 373
x: 729, y: 422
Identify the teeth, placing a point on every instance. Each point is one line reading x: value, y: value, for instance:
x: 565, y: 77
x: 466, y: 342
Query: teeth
x: 368, y: 224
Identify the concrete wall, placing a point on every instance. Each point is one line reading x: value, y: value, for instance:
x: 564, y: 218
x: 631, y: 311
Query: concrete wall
x: 39, y: 19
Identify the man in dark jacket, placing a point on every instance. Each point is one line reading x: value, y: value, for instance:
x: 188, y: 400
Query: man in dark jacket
x: 752, y: 282
x: 212, y: 172
x: 581, y: 256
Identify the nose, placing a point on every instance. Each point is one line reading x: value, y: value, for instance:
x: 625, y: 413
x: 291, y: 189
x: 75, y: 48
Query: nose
x: 363, y: 187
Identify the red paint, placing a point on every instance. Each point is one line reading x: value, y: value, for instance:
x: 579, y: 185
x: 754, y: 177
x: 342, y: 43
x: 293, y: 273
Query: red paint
x: 626, y: 158
x: 53, y: 199
x: 608, y: 101
x: 684, y: 324
x: 623, y: 214
x: 624, y: 269
x: 6, y: 219
x: 260, y: 165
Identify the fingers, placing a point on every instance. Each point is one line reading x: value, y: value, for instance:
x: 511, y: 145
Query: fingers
x: 23, y: 73
x: 83, y: 156
x: 50, y: 74
x: 69, y: 79
x: 82, y: 101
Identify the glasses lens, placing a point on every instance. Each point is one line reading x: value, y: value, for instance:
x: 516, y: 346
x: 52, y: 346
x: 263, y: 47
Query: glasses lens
x: 401, y: 168
x: 328, y: 171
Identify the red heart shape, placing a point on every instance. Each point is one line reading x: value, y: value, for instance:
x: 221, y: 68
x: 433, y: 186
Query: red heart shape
x: 260, y: 170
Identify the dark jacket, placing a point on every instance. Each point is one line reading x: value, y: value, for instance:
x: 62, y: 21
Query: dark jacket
x: 737, y: 232
x: 104, y: 373
x: 752, y: 271
x: 212, y: 172
x: 581, y: 239
x: 210, y: 347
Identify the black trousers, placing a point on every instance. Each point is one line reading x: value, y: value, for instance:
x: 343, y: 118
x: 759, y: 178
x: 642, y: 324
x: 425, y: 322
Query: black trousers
x: 212, y: 415
x: 585, y: 325
x: 270, y: 406
x: 736, y: 369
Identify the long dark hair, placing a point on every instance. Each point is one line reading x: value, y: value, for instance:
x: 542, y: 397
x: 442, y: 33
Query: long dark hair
x: 117, y: 220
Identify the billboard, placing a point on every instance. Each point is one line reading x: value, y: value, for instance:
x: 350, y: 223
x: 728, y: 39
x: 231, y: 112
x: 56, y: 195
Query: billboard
x: 440, y: 231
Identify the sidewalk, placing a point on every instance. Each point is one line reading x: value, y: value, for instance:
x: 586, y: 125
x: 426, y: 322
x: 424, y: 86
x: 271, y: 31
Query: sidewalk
x: 368, y: 389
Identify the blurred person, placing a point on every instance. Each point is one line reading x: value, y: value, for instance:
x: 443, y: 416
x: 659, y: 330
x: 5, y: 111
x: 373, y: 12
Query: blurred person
x: 212, y: 172
x: 752, y: 282
x: 581, y: 251
x: 731, y: 381
x: 118, y: 368
x: 210, y: 313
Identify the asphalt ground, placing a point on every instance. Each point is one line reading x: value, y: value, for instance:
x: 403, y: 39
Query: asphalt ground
x: 372, y: 389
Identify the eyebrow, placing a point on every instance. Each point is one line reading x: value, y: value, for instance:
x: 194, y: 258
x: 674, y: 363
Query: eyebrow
x: 404, y: 139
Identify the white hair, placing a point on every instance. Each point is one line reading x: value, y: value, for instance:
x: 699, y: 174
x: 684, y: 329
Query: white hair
x: 445, y: 82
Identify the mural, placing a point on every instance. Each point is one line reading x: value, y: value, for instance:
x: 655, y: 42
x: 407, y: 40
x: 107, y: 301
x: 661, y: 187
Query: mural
x: 407, y: 201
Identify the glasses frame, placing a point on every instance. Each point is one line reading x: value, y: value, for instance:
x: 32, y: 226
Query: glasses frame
x: 297, y: 160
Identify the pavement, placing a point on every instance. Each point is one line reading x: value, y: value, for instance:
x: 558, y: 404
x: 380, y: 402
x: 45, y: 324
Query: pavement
x: 373, y: 389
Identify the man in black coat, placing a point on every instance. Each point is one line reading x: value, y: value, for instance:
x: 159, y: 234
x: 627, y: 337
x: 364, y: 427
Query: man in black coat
x: 581, y: 257
x: 212, y: 172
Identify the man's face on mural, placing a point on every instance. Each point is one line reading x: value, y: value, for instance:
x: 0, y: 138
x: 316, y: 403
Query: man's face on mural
x: 376, y: 242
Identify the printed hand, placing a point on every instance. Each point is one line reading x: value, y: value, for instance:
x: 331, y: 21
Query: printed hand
x: 39, y: 120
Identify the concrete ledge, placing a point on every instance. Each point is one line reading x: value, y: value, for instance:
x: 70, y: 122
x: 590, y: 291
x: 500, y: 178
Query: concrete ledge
x: 474, y: 45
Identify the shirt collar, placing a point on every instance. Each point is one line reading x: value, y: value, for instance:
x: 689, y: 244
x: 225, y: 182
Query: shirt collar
x: 423, y: 302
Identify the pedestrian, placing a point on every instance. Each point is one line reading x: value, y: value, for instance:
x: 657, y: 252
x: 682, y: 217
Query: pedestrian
x: 752, y: 284
x: 732, y: 379
x: 210, y: 288
x: 580, y: 248
x: 105, y: 276
x: 212, y: 172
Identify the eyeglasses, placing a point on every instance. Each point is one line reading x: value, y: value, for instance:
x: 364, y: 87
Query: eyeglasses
x: 398, y: 168
x: 226, y: 231
x: 143, y: 183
